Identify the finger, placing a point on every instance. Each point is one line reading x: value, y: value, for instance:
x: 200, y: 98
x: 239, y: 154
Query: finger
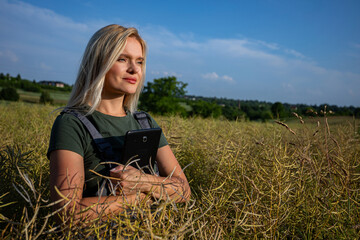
x: 128, y: 167
x: 117, y: 168
x: 117, y: 172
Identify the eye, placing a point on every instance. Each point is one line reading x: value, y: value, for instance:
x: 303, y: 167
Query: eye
x: 140, y: 62
x: 121, y: 60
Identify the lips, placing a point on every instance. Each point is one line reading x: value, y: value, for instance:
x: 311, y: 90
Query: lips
x: 130, y: 80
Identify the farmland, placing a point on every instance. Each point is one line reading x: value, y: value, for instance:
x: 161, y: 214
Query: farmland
x: 33, y: 97
x: 249, y: 180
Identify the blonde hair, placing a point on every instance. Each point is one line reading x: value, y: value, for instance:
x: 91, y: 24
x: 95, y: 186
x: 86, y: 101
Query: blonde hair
x: 103, y: 49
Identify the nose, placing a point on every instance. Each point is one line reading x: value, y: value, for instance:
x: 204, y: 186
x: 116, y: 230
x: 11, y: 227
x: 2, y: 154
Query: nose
x: 133, y: 67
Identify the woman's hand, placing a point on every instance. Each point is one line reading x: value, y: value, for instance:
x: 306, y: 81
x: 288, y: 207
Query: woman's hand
x: 171, y: 184
x: 67, y: 176
x: 130, y: 179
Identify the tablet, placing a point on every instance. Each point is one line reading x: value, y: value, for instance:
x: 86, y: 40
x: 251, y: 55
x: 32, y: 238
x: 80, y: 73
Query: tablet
x: 141, y: 147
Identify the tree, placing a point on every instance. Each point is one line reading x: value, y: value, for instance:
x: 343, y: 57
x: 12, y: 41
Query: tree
x: 233, y: 113
x: 46, y: 98
x: 205, y: 109
x: 278, y: 110
x: 162, y: 96
x: 9, y: 94
x: 266, y: 115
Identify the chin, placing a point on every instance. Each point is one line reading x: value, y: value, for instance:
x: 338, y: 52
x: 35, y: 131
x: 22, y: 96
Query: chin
x: 128, y: 93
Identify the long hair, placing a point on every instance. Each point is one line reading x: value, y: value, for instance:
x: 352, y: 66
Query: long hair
x: 103, y: 49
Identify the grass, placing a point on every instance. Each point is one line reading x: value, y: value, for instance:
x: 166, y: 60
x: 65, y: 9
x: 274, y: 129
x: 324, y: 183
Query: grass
x: 60, y: 98
x: 249, y: 180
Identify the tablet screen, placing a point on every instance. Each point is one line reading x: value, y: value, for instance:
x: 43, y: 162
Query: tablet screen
x: 141, y: 147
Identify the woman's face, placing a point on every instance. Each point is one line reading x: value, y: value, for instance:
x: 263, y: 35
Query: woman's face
x: 125, y: 75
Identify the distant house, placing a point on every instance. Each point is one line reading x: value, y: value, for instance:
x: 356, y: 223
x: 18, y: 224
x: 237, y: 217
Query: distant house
x: 192, y: 98
x: 293, y: 108
x: 53, y: 83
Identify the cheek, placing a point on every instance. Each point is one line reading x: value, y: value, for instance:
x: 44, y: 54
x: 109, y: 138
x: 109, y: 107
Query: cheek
x: 109, y: 75
x: 116, y: 70
x: 113, y: 72
x: 109, y: 78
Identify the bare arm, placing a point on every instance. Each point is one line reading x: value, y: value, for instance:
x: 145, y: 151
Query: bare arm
x: 171, y: 184
x: 67, y: 175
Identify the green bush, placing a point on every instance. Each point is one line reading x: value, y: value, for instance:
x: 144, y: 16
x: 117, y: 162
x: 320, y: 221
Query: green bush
x: 9, y: 94
x: 46, y: 98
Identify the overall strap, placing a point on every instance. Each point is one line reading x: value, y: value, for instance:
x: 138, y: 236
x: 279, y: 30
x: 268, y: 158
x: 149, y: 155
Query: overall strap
x: 103, y: 146
x: 143, y: 119
x: 90, y: 127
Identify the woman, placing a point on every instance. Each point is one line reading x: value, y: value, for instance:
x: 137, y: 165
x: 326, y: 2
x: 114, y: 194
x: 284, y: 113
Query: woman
x: 107, y: 89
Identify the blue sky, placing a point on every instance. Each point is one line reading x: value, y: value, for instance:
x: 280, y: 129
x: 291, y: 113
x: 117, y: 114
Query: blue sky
x: 304, y: 51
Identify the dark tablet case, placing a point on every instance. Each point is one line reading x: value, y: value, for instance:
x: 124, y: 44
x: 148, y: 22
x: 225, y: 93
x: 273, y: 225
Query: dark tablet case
x: 142, y: 144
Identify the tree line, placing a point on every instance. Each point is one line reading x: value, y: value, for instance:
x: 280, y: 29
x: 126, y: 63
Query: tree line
x: 9, y: 84
x: 7, y: 81
x: 166, y: 96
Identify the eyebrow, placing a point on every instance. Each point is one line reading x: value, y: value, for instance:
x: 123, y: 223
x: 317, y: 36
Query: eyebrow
x: 129, y: 56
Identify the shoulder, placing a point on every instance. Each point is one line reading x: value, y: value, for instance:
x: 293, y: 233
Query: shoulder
x: 69, y: 126
x: 67, y: 120
x: 68, y: 133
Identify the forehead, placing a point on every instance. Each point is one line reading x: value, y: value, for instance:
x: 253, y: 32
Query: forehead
x: 133, y: 47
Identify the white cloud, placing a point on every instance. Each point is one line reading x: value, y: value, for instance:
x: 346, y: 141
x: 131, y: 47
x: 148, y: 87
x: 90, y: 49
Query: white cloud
x: 215, y: 77
x: 272, y: 46
x: 165, y: 74
x: 9, y: 56
x: 170, y: 45
x: 44, y: 17
x: 161, y: 39
x: 228, y: 79
x: 36, y: 38
x: 211, y: 76
x: 241, y: 48
x: 294, y: 53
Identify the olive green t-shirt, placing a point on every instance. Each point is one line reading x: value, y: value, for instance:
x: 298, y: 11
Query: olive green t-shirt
x: 69, y: 133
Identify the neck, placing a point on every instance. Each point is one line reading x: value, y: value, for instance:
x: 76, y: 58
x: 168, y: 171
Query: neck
x: 112, y: 106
